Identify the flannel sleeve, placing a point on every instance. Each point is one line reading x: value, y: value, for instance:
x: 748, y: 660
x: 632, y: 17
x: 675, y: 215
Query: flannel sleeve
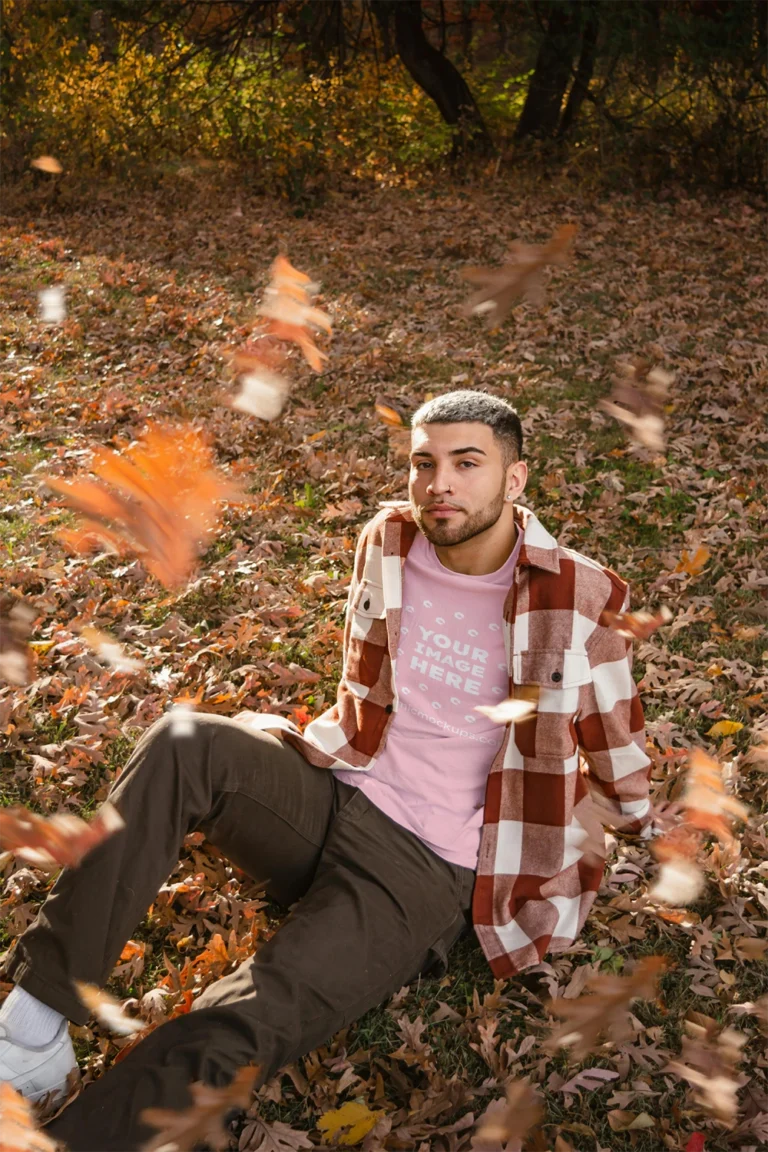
x: 611, y: 732
x: 358, y: 568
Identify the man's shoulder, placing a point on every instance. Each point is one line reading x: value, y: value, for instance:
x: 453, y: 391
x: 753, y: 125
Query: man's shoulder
x: 593, y: 583
x: 390, y: 512
x: 599, y: 571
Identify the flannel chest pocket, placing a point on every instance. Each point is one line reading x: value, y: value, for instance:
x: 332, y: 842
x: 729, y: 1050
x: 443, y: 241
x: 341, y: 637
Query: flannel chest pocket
x: 554, y: 677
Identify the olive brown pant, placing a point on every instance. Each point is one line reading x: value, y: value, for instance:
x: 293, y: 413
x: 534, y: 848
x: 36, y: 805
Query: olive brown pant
x: 374, y: 908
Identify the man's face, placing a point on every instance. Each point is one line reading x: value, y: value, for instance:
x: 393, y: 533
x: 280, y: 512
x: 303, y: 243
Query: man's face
x: 457, y: 481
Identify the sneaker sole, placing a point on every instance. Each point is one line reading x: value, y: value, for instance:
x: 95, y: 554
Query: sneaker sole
x: 58, y: 1090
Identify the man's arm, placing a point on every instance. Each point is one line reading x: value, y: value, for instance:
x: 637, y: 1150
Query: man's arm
x: 611, y: 732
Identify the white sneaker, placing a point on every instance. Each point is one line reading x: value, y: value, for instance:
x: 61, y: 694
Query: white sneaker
x: 34, y: 1072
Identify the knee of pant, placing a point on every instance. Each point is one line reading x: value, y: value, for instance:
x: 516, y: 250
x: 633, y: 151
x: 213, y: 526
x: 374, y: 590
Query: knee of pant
x: 171, y: 730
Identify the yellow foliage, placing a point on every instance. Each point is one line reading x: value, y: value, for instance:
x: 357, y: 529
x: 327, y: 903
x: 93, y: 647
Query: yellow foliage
x: 725, y: 728
x: 354, y: 1120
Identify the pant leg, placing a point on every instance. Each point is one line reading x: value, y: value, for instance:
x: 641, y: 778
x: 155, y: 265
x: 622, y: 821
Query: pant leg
x: 256, y: 798
x: 381, y: 908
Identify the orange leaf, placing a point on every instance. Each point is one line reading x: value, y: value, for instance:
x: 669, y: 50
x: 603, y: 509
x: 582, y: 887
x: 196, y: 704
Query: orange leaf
x: 18, y: 1131
x: 55, y: 841
x: 693, y: 565
x: 47, y: 164
x: 636, y: 625
x: 163, y: 506
x: 390, y: 415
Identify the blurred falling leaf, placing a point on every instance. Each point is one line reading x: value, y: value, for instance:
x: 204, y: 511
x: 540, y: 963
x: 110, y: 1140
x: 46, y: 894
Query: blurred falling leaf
x: 289, y: 312
x: 182, y: 719
x: 708, y: 1061
x: 107, y: 1010
x: 18, y: 1130
x: 705, y: 809
x: 398, y: 432
x: 52, y: 307
x: 636, y: 625
x: 262, y: 393
x: 161, y: 504
x: 679, y: 882
x: 508, y: 711
x: 55, y: 841
x: 16, y: 620
x: 520, y: 277
x: 508, y: 1120
x: 47, y: 164
x: 204, y: 1120
x: 707, y: 805
x: 606, y: 1012
x: 109, y: 650
x: 258, y: 367
x: 637, y: 402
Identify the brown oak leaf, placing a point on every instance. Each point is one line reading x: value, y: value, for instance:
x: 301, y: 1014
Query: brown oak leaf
x: 521, y: 276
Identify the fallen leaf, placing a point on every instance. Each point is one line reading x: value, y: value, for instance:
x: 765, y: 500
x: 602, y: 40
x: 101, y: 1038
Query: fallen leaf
x: 629, y: 1121
x: 693, y: 565
x: 725, y: 728
x: 349, y: 1124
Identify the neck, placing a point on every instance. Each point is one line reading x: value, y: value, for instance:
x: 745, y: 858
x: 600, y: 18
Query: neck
x: 484, y: 553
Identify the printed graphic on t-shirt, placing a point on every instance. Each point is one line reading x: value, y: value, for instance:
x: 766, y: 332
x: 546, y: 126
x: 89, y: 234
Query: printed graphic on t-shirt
x: 443, y: 652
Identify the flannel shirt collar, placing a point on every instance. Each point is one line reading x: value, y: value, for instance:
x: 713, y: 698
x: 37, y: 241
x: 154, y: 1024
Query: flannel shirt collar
x: 538, y: 550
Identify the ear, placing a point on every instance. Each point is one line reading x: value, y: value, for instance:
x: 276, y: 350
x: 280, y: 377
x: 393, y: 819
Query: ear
x: 517, y: 478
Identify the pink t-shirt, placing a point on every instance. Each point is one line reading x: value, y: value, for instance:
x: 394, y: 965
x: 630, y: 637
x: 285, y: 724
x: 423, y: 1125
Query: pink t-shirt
x: 432, y: 773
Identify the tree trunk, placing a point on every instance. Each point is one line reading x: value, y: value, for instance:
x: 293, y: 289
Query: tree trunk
x: 436, y: 75
x: 586, y: 67
x: 323, y: 26
x: 383, y: 15
x: 541, y: 112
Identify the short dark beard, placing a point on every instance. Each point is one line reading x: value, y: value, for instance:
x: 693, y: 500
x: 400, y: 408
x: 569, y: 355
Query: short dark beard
x: 445, y: 534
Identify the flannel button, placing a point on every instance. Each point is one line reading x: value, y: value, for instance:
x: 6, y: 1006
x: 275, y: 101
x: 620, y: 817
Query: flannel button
x: 388, y: 708
x: 367, y: 604
x: 557, y: 677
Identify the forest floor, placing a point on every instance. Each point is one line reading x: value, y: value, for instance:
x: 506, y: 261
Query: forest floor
x: 158, y: 285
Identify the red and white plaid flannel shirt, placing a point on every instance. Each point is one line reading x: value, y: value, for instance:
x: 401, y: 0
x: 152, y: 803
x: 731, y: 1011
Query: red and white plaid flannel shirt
x: 534, y: 886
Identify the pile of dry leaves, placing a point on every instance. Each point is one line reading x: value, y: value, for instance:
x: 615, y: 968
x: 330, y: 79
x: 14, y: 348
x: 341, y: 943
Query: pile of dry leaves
x: 191, y: 436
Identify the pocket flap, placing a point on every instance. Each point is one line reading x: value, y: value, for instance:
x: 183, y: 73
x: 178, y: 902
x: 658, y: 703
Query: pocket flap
x: 551, y: 667
x: 369, y: 601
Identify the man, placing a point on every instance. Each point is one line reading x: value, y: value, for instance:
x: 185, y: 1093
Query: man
x: 400, y: 817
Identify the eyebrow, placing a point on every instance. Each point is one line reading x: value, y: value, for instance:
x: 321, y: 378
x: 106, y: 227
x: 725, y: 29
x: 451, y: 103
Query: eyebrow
x: 453, y: 452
